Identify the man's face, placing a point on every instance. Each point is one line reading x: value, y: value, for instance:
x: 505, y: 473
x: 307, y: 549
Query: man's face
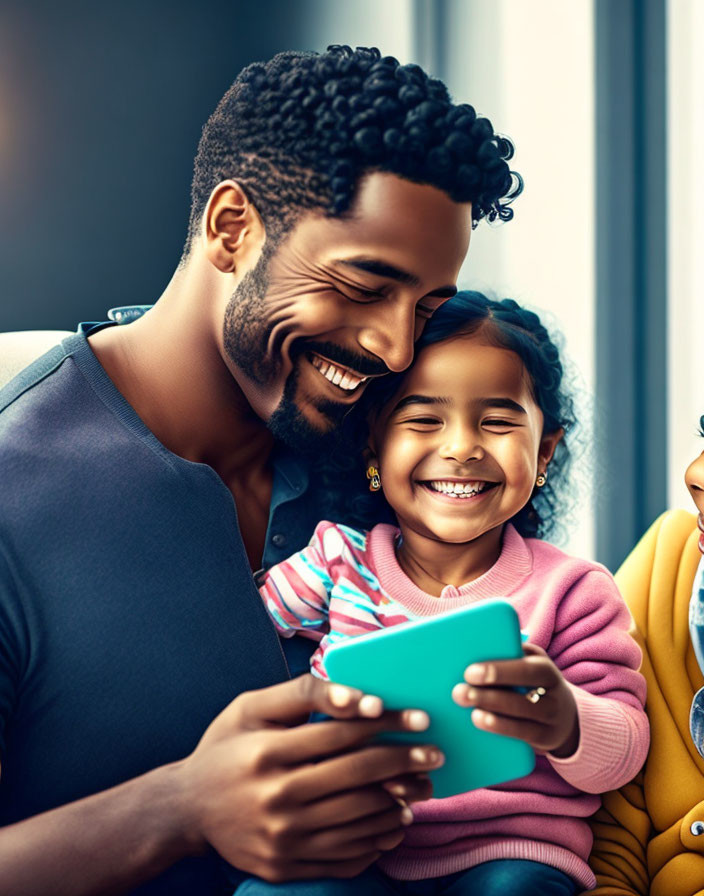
x: 342, y: 300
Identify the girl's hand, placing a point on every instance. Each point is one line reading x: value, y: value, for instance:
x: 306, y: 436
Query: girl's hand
x: 545, y: 716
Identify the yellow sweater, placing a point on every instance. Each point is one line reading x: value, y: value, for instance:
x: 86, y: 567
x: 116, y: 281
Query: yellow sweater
x: 646, y: 836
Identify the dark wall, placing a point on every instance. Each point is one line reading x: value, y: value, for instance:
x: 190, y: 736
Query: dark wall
x: 101, y: 108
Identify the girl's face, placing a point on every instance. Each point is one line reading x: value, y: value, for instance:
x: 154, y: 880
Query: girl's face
x: 694, y: 477
x: 460, y: 445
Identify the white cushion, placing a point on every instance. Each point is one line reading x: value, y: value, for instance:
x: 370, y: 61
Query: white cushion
x: 17, y: 350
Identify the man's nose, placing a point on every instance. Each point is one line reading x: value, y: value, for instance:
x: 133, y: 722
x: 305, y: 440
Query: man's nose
x: 694, y: 477
x: 389, y: 334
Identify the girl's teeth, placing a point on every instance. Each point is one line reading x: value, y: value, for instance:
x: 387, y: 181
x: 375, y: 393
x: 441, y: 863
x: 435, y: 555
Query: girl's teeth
x: 463, y: 489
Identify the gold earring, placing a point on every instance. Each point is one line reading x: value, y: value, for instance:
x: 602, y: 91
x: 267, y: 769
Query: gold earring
x: 374, y: 478
x: 542, y: 479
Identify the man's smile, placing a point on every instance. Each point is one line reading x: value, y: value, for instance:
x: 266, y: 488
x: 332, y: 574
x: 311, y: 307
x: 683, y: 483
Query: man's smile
x: 345, y: 379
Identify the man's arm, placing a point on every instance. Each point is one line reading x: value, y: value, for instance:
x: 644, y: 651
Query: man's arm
x: 276, y: 798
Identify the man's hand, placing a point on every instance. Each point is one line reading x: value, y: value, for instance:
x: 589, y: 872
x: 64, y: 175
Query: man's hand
x: 285, y: 800
x: 549, y: 725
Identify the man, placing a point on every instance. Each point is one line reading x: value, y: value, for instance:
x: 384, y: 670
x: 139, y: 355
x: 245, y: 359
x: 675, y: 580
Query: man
x: 333, y: 199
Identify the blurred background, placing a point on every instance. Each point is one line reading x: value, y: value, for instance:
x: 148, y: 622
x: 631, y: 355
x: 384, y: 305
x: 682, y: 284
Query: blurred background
x: 101, y: 107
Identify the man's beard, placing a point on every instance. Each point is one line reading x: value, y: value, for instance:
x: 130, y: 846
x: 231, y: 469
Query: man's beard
x: 246, y: 336
x: 247, y: 329
x: 291, y: 426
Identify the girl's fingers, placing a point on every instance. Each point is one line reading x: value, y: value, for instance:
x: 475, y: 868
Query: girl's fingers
x: 529, y: 731
x: 533, y: 650
x: 531, y: 671
x: 505, y: 702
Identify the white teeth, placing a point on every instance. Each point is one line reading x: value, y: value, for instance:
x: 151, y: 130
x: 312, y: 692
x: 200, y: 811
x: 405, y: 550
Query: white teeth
x: 457, y: 489
x: 338, y: 376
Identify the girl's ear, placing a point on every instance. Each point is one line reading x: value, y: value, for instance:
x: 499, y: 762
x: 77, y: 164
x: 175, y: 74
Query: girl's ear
x: 369, y: 454
x: 548, y: 444
x: 371, y: 463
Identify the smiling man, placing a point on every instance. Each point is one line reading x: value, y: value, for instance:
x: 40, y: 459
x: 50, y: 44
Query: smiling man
x: 147, y: 470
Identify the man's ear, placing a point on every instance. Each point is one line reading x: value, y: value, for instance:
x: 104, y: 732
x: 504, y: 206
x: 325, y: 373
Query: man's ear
x: 548, y: 444
x: 232, y: 228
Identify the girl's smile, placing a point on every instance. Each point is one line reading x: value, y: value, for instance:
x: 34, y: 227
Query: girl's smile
x: 458, y: 489
x: 459, y: 449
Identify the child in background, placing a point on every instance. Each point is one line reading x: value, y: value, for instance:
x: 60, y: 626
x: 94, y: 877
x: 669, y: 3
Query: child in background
x: 467, y: 446
x: 694, y: 477
x: 648, y: 835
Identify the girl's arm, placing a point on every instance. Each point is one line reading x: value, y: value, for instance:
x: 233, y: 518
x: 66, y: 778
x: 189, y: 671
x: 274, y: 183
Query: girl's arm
x: 595, y: 652
x: 587, y: 715
x: 296, y: 592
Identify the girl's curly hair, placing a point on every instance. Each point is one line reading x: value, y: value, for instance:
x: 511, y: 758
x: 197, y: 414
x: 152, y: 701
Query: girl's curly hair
x: 298, y: 132
x: 505, y: 324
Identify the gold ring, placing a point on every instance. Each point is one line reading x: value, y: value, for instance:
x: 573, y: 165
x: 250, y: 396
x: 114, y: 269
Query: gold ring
x: 535, y: 695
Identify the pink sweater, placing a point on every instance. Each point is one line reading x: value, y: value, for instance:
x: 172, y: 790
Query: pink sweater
x: 569, y: 607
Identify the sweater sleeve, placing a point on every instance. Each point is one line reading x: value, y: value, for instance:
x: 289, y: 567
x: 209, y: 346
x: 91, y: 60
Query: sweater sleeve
x: 599, y: 659
x: 296, y: 592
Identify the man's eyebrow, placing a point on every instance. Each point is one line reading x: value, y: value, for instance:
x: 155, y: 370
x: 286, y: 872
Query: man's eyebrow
x: 391, y: 272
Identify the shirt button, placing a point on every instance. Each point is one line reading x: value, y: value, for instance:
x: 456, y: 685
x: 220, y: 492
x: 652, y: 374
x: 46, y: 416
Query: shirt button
x: 697, y: 828
x: 278, y: 540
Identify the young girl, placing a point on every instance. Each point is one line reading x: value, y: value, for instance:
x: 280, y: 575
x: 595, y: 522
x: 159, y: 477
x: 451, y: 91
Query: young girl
x: 467, y: 446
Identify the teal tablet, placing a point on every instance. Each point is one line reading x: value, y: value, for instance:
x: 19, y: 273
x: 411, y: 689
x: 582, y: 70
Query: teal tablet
x: 416, y: 665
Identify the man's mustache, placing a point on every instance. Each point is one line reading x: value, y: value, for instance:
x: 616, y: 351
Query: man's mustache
x: 359, y: 363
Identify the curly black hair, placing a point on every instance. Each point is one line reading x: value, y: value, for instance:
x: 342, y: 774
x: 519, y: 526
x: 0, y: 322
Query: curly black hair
x: 299, y: 131
x: 504, y: 323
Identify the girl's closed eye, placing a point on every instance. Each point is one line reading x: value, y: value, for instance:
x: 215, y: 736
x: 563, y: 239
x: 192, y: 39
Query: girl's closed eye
x: 422, y: 421
x: 500, y: 423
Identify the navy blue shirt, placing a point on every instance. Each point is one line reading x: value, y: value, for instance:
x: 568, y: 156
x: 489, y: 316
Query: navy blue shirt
x: 128, y: 613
